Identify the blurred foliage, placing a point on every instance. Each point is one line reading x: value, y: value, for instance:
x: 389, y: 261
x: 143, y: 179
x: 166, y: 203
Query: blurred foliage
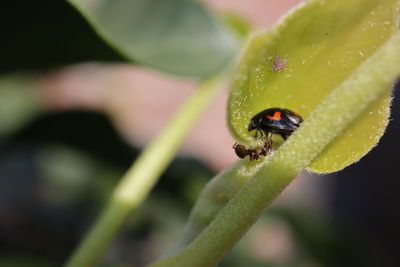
x: 19, y: 102
x: 45, y: 35
x: 325, y: 242
x: 41, y: 35
x: 238, y: 24
x: 175, y: 36
x: 59, y: 178
x: 21, y: 260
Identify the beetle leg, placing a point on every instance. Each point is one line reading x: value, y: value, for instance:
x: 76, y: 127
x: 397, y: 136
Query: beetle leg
x: 268, y: 137
x: 266, y: 148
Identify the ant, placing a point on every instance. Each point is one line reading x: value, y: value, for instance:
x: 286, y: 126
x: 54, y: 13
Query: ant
x: 254, y: 154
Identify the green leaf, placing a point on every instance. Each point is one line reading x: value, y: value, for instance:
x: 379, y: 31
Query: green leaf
x: 176, y: 36
x: 324, y: 42
x: 239, y: 25
x: 223, y: 214
x: 19, y: 102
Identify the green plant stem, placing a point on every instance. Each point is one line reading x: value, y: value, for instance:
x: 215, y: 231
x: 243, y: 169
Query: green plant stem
x: 373, y: 78
x: 136, y: 184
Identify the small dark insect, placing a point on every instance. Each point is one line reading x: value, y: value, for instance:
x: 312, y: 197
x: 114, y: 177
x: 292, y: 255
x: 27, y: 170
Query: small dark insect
x: 279, y: 63
x: 266, y: 123
x: 254, y: 154
x: 275, y: 121
x: 241, y: 150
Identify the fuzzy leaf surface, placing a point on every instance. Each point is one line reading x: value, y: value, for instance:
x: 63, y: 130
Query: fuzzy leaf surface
x: 323, y: 42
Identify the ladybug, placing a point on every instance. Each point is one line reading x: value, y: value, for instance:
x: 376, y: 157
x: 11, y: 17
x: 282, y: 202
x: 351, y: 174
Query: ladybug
x: 254, y: 154
x: 275, y: 121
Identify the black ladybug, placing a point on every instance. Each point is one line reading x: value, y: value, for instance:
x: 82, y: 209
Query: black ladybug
x: 275, y: 121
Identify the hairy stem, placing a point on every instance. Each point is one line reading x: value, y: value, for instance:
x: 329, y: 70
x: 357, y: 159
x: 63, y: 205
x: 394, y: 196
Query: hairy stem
x: 373, y: 78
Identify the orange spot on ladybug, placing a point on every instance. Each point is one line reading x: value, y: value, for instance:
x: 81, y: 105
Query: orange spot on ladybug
x: 276, y: 117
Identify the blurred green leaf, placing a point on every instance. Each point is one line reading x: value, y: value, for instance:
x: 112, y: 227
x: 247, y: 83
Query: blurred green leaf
x: 328, y: 242
x: 21, y: 261
x: 67, y: 174
x: 176, y: 36
x: 19, y: 103
x: 239, y: 25
x: 324, y: 42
